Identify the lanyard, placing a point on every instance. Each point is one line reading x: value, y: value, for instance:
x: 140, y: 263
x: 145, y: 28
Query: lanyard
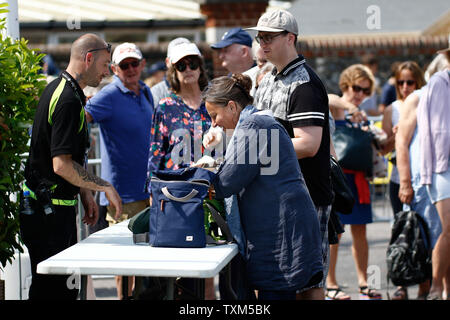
x: 82, y: 116
x: 74, y: 87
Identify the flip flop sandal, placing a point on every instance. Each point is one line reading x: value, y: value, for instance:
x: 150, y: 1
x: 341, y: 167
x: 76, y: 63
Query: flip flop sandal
x: 336, y: 294
x: 422, y: 296
x: 366, y: 293
x: 400, y: 294
x: 434, y: 297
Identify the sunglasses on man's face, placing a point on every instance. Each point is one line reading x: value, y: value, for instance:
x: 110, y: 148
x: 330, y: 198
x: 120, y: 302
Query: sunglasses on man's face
x: 181, y: 65
x: 356, y: 88
x: 408, y: 82
x: 124, y: 66
x: 107, y: 48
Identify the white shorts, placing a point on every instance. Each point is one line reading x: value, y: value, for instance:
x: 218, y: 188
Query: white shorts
x: 440, y: 186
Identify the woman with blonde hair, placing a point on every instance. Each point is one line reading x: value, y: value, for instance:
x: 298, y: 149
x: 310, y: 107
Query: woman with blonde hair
x: 356, y: 83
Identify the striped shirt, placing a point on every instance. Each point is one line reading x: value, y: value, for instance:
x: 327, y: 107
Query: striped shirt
x: 297, y: 98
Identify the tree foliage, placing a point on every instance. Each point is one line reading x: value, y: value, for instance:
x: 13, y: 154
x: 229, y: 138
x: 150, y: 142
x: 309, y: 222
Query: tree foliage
x: 20, y: 87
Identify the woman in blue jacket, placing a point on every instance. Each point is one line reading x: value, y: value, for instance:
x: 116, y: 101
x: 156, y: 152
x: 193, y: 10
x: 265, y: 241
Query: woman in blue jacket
x: 282, y: 249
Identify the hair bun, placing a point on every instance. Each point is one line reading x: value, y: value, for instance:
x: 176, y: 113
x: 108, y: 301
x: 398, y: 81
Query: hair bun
x: 243, y: 80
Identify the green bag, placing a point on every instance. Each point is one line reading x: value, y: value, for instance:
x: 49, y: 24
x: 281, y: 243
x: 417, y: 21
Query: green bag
x: 139, y: 225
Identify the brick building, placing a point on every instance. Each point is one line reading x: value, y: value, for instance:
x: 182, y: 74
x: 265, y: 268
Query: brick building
x: 333, y: 34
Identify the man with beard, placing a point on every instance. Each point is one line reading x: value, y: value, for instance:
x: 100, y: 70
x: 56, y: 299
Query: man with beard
x: 55, y: 171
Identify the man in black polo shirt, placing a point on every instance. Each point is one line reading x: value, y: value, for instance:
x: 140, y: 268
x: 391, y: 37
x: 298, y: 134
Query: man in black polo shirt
x: 298, y: 99
x: 55, y: 170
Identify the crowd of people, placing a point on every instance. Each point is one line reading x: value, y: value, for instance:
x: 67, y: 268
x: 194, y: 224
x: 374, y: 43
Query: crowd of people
x: 278, y: 218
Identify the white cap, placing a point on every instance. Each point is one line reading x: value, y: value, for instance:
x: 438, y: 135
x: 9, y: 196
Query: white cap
x: 174, y: 43
x: 182, y: 50
x: 126, y: 50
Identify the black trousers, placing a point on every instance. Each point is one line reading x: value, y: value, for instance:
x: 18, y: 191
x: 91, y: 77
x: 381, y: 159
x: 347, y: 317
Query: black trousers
x: 45, y: 236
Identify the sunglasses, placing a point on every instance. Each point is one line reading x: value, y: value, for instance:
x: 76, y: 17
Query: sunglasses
x: 408, y: 82
x: 181, y: 65
x: 267, y: 39
x: 107, y: 48
x: 366, y: 91
x: 126, y: 65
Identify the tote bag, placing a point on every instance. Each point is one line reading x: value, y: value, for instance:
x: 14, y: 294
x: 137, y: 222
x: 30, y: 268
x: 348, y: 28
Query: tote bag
x: 354, y: 148
x: 177, y: 213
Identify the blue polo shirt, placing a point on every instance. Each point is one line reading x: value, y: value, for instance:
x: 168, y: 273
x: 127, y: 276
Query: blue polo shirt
x: 125, y: 121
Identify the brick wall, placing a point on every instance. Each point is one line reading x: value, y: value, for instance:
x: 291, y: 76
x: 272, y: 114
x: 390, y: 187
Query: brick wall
x: 229, y: 14
x: 232, y: 14
x: 327, y: 57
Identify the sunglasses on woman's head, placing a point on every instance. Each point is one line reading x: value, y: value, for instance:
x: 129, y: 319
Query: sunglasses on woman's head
x: 356, y: 88
x: 181, y: 65
x: 126, y: 65
x: 408, y: 82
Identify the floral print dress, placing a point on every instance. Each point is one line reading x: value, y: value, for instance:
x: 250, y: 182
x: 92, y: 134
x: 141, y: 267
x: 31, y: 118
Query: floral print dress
x: 176, y: 135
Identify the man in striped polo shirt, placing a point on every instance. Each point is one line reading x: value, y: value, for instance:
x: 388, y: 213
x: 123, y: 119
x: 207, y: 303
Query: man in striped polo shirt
x: 298, y: 99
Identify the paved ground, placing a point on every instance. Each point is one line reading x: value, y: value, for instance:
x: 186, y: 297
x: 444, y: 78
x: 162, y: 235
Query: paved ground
x: 378, y: 234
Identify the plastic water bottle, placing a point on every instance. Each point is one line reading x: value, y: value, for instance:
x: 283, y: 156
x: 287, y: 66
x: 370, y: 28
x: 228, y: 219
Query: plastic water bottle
x: 27, y: 208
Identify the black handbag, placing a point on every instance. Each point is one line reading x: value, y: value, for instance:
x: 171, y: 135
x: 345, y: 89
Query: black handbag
x: 335, y: 227
x: 354, y: 148
x: 343, y: 197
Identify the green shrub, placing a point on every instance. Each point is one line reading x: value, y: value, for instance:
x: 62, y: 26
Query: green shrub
x: 20, y: 87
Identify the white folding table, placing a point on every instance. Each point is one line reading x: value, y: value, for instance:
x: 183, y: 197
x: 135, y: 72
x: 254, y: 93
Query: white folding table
x: 111, y: 251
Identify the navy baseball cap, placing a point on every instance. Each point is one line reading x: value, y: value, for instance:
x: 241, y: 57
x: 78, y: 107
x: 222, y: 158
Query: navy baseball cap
x: 158, y: 66
x: 235, y: 35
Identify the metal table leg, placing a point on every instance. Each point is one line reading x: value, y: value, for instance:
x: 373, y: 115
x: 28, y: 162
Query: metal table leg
x: 170, y: 287
x: 125, y: 287
x: 83, y: 287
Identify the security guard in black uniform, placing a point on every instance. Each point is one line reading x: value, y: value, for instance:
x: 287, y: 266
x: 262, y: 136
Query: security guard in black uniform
x: 55, y: 170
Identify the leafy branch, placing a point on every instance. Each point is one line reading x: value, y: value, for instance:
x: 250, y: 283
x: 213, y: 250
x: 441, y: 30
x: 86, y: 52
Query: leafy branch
x: 20, y: 86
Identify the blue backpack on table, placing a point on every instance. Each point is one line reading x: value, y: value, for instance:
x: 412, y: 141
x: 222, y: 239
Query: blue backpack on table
x: 177, y: 213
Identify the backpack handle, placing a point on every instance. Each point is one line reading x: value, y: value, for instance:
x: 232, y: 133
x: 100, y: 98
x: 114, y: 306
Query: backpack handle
x: 186, y: 198
x: 220, y: 222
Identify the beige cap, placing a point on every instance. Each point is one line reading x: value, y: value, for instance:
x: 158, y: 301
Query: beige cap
x: 277, y: 21
x: 126, y: 50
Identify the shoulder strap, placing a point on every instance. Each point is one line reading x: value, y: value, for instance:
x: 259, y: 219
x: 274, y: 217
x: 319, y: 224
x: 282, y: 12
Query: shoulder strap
x: 221, y: 222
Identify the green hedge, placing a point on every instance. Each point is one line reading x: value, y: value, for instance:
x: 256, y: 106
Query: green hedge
x: 20, y: 87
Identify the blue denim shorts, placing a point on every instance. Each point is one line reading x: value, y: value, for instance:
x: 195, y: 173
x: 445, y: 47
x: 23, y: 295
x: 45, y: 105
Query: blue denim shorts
x: 440, y: 186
